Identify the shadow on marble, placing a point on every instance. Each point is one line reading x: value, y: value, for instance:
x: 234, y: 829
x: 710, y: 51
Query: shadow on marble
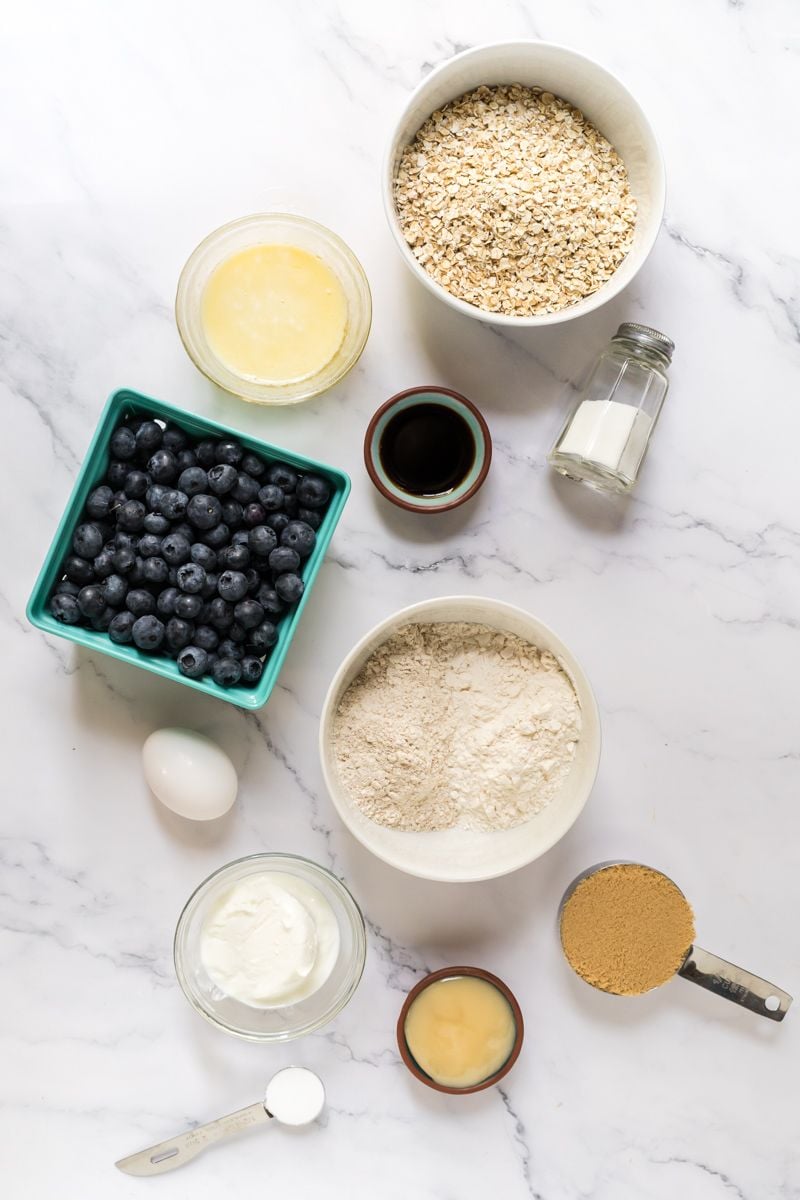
x: 598, y: 511
x: 431, y: 529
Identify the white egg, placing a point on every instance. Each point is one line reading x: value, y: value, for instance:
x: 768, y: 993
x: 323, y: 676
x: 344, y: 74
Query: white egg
x: 189, y: 773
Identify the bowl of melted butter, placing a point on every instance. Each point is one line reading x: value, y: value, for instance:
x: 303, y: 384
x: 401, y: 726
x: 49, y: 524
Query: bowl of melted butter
x: 273, y: 308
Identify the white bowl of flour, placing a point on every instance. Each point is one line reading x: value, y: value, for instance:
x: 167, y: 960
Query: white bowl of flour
x: 460, y: 739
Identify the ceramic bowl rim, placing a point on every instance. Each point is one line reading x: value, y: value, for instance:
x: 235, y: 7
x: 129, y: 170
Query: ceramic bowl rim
x: 486, y: 447
x: 454, y: 973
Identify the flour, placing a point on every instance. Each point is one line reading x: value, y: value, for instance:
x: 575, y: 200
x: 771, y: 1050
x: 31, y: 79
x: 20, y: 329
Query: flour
x: 455, y: 723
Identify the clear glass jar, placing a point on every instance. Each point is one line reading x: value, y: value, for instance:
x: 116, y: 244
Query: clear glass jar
x: 606, y: 435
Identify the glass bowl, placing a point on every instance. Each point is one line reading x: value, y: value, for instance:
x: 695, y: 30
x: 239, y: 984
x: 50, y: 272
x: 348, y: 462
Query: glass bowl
x: 291, y: 1020
x: 270, y: 229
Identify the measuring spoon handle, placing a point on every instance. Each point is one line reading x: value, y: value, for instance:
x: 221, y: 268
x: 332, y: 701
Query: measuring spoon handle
x: 734, y: 983
x: 166, y: 1156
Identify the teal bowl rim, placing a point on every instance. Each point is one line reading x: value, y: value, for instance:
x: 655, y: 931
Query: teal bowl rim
x: 448, y: 399
x: 128, y: 400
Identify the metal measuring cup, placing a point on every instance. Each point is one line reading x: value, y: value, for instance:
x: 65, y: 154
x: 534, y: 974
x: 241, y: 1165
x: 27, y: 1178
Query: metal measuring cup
x: 700, y: 966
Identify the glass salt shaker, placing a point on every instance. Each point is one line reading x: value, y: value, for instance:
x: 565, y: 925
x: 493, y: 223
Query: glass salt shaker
x: 605, y: 437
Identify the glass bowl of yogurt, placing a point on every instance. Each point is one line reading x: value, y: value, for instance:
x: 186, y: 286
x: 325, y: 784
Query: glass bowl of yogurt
x: 270, y: 947
x: 273, y: 308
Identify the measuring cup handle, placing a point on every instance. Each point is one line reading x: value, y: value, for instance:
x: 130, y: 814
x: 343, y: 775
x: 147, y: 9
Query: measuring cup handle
x: 734, y: 983
x: 166, y: 1156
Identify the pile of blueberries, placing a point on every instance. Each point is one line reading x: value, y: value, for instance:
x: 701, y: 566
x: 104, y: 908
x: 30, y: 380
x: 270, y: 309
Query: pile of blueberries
x: 192, y: 549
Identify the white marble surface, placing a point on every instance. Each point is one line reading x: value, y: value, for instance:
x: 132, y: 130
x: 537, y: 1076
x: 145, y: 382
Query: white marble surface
x: 129, y: 132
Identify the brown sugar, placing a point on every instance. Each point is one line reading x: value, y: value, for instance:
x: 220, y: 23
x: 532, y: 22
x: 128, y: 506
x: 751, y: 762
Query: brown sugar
x: 626, y: 929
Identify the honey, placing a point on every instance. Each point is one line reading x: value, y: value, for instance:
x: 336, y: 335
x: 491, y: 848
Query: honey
x: 460, y: 1031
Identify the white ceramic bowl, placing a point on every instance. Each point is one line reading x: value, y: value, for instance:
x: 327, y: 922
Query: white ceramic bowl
x: 600, y: 96
x: 461, y: 855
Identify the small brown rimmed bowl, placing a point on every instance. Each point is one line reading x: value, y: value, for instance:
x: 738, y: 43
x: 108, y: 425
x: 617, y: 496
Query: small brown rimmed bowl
x: 474, y: 478
x: 456, y: 973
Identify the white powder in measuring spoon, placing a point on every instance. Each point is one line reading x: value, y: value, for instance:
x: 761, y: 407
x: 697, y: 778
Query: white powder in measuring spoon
x: 455, y: 723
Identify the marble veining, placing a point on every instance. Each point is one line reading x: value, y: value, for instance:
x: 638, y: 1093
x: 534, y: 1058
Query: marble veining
x: 128, y: 136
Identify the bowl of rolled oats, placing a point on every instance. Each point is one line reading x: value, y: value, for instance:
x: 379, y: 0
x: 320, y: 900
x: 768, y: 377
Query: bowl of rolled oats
x: 523, y: 184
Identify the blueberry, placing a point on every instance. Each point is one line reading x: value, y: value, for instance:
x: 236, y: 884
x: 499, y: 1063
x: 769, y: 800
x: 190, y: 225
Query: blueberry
x: 251, y: 669
x: 103, y: 564
x: 78, y: 569
x: 173, y: 504
x: 124, y: 560
x: 229, y: 452
x: 227, y: 672
x: 115, y: 590
x: 221, y: 479
x: 283, y: 476
x: 165, y: 604
x: 91, y: 600
x: 87, y: 540
x: 313, y: 491
x: 232, y: 513
x: 204, y: 616
x: 175, y: 549
x: 117, y: 473
x: 255, y: 514
x: 237, y: 634
x: 220, y: 613
x: 284, y: 558
x: 99, y: 502
x: 253, y: 465
x: 130, y: 515
x: 291, y: 506
x: 163, y: 466
x: 127, y: 540
x: 253, y: 580
x: 262, y: 540
x: 178, y: 633
x: 136, y: 485
x: 262, y: 638
x: 185, y: 530
x: 235, y: 557
x: 310, y: 517
x: 246, y: 488
x: 140, y: 602
x: 218, y: 537
x: 229, y: 649
x: 191, y: 578
x: 65, y: 609
x: 204, y: 556
x: 120, y: 628
x: 206, y: 453
x: 174, y: 439
x: 193, y: 481
x: 66, y: 588
x: 184, y: 458
x: 149, y: 545
x: 188, y: 607
x: 241, y: 537
x: 204, y: 512
x: 232, y: 586
x: 155, y: 571
x: 149, y: 437
x: 148, y: 633
x: 123, y: 442
x: 269, y: 600
x: 103, y: 619
x: 154, y: 495
x: 289, y: 587
x: 248, y: 613
x: 277, y: 521
x: 192, y: 662
x: 136, y: 574
x: 299, y: 537
x: 209, y: 588
x: 271, y: 497
x: 206, y: 638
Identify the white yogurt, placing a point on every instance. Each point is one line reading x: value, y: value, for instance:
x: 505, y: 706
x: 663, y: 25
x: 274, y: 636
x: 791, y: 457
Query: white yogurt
x: 270, y: 940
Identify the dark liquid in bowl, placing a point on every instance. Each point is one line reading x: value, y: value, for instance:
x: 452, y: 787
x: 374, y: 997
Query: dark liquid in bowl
x: 427, y: 449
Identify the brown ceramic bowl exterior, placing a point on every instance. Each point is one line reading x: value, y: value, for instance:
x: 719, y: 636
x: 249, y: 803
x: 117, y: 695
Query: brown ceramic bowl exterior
x: 446, y: 505
x: 452, y: 973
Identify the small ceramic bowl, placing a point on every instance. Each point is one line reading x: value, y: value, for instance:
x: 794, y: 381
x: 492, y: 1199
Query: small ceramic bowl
x: 269, y: 229
x: 455, y: 973
x: 474, y: 478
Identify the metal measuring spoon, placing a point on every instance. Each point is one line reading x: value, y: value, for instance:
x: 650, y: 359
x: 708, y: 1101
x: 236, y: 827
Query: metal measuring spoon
x: 707, y: 970
x: 295, y: 1096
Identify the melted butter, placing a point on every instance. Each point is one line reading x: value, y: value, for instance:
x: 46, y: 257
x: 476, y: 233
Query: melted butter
x: 460, y: 1031
x: 274, y: 313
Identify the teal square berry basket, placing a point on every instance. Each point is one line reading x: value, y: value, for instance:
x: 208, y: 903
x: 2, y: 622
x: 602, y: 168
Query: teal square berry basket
x: 126, y: 403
